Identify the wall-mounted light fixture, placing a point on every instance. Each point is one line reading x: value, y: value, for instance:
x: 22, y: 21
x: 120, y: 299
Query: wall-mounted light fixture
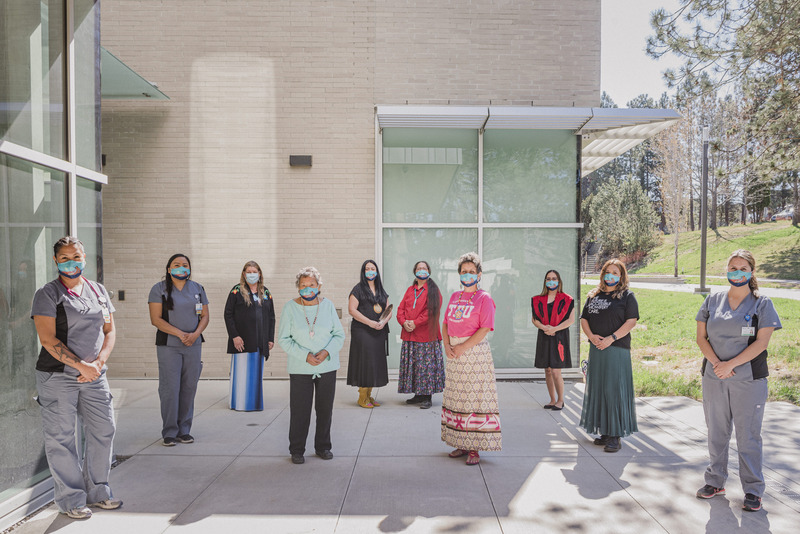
x: 300, y: 161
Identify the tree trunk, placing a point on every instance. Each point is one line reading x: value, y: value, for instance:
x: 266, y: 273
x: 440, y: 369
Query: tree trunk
x: 712, y: 210
x: 796, y: 214
x: 675, y: 261
x: 691, y: 210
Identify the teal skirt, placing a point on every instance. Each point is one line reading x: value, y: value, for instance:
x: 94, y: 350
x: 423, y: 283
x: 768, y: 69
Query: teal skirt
x: 609, y: 404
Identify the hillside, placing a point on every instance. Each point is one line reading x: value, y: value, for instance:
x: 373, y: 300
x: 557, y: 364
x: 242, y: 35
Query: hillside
x: 776, y: 246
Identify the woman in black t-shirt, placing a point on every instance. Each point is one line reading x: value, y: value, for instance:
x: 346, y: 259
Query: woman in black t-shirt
x: 610, y: 313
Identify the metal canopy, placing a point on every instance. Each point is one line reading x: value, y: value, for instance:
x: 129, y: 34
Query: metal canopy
x: 607, y: 132
x: 119, y: 81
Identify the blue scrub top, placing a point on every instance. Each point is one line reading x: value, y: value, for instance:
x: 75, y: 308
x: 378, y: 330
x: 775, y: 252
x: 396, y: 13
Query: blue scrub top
x: 724, y: 327
x: 183, y: 314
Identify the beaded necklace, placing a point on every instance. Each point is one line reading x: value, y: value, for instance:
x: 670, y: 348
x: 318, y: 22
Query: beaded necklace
x: 310, y: 324
x: 460, y: 309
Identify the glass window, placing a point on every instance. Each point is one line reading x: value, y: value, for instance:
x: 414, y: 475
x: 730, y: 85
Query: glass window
x: 529, y: 176
x: 87, y: 83
x: 90, y: 219
x: 31, y: 220
x: 32, y: 92
x: 403, y: 247
x: 515, y: 261
x: 430, y: 175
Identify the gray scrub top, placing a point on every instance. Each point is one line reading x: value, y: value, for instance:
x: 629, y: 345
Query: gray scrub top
x: 724, y: 327
x: 183, y: 314
x: 84, y: 314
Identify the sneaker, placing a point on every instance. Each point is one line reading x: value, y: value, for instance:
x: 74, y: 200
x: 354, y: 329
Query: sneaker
x: 614, y: 444
x: 751, y: 503
x: 416, y: 399
x: 708, y: 491
x: 185, y: 438
x: 108, y: 504
x: 325, y: 455
x: 82, y: 512
x: 602, y: 440
x: 169, y: 442
x: 298, y: 459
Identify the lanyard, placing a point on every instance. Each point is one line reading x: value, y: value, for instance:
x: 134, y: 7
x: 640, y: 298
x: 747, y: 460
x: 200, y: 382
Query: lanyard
x: 71, y: 292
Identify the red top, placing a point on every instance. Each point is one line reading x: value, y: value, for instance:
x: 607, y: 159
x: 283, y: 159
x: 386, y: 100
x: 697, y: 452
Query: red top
x: 539, y: 305
x: 408, y: 310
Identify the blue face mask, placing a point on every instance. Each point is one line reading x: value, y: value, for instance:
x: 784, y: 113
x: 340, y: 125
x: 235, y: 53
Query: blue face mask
x: 739, y: 278
x: 422, y: 274
x: 71, y: 268
x: 469, y: 279
x: 551, y: 284
x: 180, y: 273
x: 309, y: 293
x: 252, y: 278
x: 611, y: 279
x: 370, y: 274
x: 22, y: 274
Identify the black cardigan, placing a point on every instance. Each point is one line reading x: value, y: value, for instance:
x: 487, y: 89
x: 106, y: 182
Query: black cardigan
x: 240, y: 320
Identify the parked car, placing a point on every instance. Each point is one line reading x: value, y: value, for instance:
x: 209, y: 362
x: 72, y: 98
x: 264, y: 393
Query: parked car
x: 785, y: 215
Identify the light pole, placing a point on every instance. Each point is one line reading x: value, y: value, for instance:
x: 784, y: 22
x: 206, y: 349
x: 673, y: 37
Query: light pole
x: 704, y: 216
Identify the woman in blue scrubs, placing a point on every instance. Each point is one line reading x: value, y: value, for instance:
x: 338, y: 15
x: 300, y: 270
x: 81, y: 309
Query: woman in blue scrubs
x: 733, y: 331
x: 179, y: 309
x: 75, y: 323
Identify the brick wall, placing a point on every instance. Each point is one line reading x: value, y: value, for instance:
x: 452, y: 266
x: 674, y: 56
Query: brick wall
x: 207, y: 173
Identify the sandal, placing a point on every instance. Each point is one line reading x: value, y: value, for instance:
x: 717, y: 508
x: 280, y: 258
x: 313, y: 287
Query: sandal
x: 474, y: 458
x: 458, y: 453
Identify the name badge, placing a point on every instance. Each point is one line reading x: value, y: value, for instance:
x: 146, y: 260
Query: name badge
x: 106, y: 315
x: 748, y: 331
x: 198, y: 308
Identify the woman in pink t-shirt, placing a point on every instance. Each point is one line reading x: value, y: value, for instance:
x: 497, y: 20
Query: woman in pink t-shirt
x: 470, y: 414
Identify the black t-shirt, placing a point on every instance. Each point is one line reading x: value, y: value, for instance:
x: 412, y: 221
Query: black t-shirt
x: 606, y: 314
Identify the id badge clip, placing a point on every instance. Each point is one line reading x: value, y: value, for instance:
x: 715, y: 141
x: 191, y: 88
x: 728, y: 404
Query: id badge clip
x: 748, y: 331
x: 106, y: 315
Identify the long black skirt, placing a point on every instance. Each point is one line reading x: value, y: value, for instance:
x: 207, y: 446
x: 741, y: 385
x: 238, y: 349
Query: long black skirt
x: 367, y: 366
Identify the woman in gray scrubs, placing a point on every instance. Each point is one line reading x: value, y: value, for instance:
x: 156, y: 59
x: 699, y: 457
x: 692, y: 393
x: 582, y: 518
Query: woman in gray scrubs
x: 74, y: 321
x: 179, y: 309
x: 733, y: 331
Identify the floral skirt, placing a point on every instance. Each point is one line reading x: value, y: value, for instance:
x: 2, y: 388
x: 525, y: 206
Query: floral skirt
x: 421, y: 368
x: 609, y: 404
x: 470, y: 413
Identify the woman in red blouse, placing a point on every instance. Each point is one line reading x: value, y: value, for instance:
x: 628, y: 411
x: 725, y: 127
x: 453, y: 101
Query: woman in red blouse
x: 421, y: 361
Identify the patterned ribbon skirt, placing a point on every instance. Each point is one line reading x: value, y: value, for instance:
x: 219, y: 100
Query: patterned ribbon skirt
x: 470, y: 413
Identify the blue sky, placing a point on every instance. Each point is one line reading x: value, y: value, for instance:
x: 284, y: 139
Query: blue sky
x: 626, y: 70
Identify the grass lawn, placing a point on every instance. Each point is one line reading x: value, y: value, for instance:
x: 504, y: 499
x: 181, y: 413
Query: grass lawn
x: 666, y: 359
x: 776, y: 246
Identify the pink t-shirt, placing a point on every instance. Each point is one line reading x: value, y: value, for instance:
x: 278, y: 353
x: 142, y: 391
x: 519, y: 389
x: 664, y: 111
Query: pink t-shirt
x: 465, y: 315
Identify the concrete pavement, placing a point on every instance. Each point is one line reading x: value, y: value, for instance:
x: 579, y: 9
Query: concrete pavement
x: 391, y: 472
x: 771, y: 292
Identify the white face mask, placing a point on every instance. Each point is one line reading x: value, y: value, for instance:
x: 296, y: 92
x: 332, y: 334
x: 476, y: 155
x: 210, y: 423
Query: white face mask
x: 252, y: 278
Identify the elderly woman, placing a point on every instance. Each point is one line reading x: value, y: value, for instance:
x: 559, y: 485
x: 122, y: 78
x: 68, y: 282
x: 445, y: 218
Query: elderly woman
x: 250, y: 322
x: 74, y: 321
x: 312, y: 335
x: 179, y: 310
x: 733, y: 330
x: 470, y: 413
x: 610, y: 313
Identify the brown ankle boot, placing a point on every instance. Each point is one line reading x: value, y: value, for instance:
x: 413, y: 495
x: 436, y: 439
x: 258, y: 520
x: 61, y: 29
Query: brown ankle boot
x: 363, y: 398
x: 369, y: 396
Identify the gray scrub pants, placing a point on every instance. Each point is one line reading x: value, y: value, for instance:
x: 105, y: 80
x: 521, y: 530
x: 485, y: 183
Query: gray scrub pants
x: 178, y: 372
x: 65, y: 402
x: 729, y: 403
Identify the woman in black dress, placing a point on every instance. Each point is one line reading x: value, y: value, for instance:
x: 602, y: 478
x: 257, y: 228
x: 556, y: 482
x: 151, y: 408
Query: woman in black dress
x: 369, y: 336
x: 553, y: 314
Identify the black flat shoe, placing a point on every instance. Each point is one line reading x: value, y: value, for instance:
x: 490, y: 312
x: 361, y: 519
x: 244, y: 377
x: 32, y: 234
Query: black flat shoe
x: 416, y: 399
x: 602, y: 440
x: 298, y: 459
x: 325, y: 455
x: 556, y: 408
x: 614, y: 444
x: 548, y: 406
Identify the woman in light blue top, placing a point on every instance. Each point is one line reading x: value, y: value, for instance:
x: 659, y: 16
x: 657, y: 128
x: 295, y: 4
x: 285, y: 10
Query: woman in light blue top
x: 312, y: 335
x: 733, y: 331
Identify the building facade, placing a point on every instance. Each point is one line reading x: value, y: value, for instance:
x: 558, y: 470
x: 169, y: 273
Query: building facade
x: 207, y: 173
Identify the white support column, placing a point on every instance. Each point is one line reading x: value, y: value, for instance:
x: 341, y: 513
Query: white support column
x: 72, y: 152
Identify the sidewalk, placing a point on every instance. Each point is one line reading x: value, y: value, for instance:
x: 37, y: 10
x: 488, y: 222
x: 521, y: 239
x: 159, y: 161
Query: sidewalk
x: 771, y: 292
x: 391, y: 473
